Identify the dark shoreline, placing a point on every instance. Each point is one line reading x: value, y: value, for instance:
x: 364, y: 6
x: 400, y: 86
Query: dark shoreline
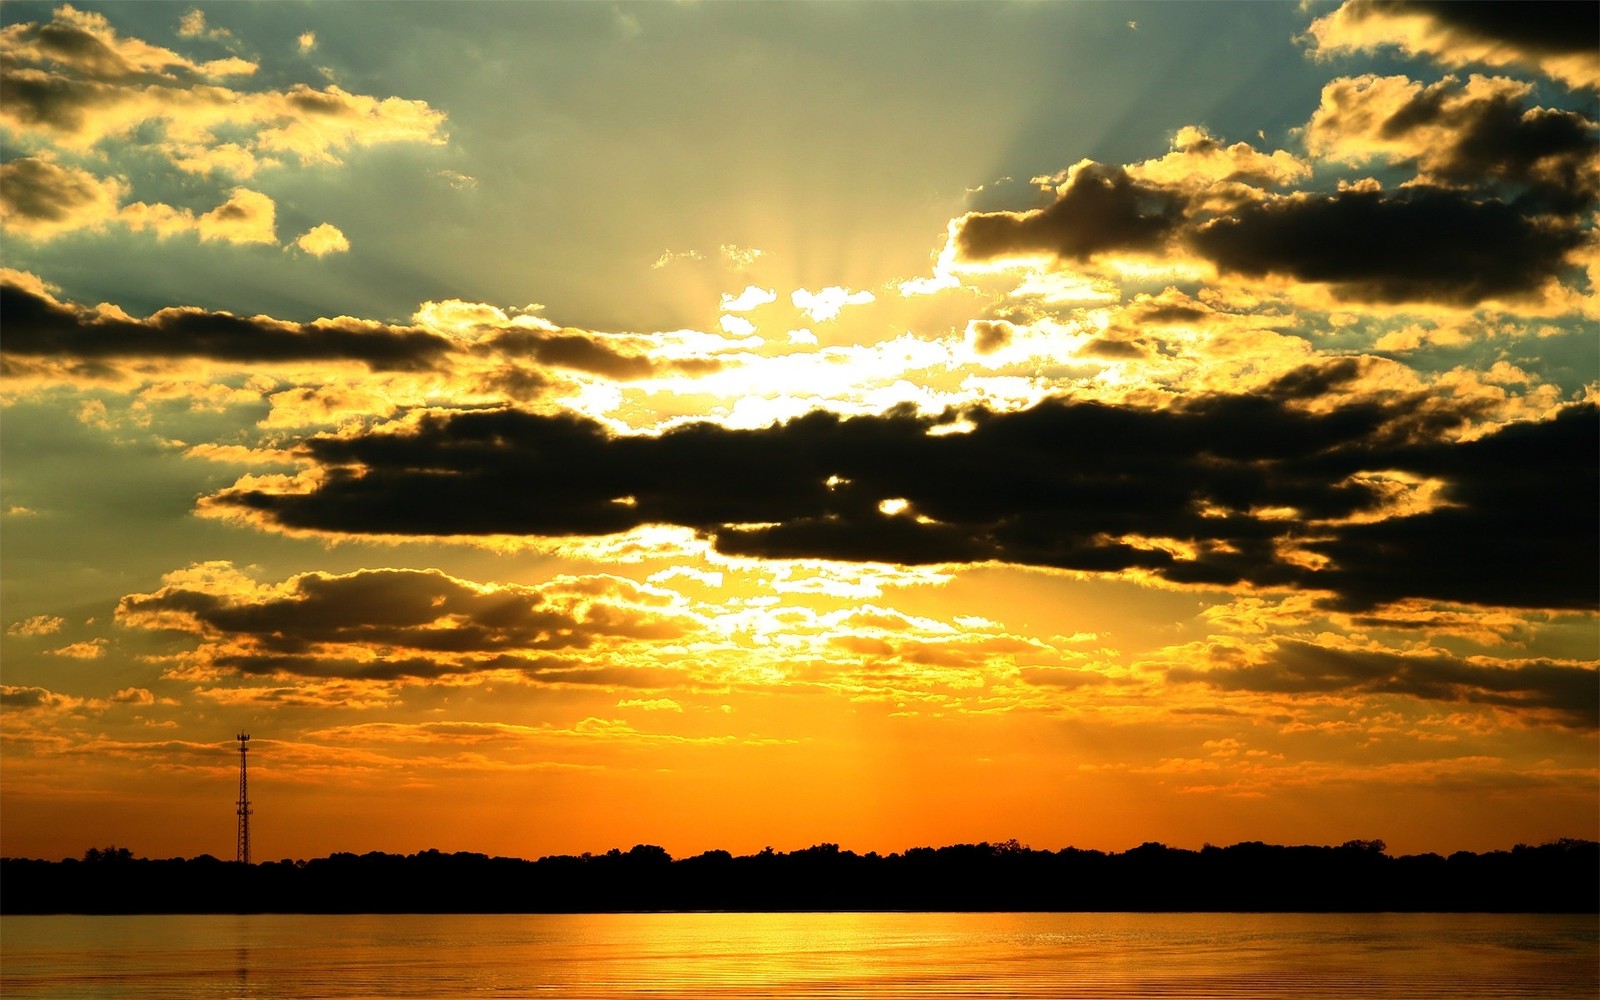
x: 1357, y: 877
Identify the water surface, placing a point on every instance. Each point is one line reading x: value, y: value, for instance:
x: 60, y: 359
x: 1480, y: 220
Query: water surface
x: 930, y: 956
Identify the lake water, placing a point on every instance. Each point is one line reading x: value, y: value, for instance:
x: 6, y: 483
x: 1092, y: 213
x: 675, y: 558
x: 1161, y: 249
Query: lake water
x: 929, y: 956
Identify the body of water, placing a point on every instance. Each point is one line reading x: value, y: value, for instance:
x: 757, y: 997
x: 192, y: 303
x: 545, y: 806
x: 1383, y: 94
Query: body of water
x: 807, y: 955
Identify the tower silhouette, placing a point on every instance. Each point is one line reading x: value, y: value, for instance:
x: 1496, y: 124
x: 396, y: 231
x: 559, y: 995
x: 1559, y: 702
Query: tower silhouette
x: 243, y: 854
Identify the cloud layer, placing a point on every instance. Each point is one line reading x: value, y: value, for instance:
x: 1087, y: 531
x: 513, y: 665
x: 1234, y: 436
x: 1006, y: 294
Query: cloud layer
x: 1570, y: 690
x: 83, y: 100
x: 40, y: 327
x: 1069, y: 450
x: 387, y: 624
x: 1217, y: 490
x: 1554, y: 37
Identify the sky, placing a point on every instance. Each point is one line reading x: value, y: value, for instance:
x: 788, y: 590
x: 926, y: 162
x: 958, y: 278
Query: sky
x: 550, y: 427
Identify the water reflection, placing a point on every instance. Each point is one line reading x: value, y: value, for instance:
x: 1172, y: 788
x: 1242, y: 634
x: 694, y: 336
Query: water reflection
x: 833, y: 955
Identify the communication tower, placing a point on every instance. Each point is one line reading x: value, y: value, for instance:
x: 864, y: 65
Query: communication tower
x: 244, y: 802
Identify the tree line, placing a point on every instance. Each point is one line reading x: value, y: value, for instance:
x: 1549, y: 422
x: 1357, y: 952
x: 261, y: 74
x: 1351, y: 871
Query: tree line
x: 1358, y: 876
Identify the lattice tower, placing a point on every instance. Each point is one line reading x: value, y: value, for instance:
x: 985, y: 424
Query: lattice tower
x: 243, y: 854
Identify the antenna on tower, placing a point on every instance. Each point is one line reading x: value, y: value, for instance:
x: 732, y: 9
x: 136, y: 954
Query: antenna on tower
x: 244, y: 802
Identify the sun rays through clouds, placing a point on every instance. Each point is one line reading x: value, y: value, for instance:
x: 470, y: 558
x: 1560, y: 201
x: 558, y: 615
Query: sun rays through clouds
x: 517, y: 414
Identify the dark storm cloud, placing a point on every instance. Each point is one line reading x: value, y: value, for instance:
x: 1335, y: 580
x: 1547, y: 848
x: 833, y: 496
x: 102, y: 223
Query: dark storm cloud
x: 37, y: 326
x: 1427, y: 244
x: 1074, y: 485
x: 1295, y: 667
x: 1538, y: 27
x: 1099, y: 208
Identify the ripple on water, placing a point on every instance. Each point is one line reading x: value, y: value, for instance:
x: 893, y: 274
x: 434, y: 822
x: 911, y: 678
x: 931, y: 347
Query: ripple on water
x: 836, y: 956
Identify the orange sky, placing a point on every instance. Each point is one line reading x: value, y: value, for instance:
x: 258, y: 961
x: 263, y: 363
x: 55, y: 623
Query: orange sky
x: 549, y: 428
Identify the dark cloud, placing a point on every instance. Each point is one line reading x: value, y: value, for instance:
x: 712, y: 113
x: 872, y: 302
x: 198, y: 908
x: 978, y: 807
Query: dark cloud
x: 1494, y: 214
x: 1162, y: 313
x: 1555, y: 39
x: 1296, y: 667
x: 1548, y: 151
x: 515, y: 382
x: 1542, y: 155
x: 1074, y: 485
x: 542, y: 670
x: 418, y: 610
x: 1538, y: 27
x: 47, y: 101
x: 1111, y: 348
x: 18, y: 698
x: 64, y: 42
x: 84, y: 44
x: 584, y: 354
x: 38, y: 191
x: 37, y: 326
x: 1425, y: 244
x: 1099, y: 208
x: 316, y: 102
x: 989, y: 336
x: 1523, y: 528
x: 583, y: 351
x: 1312, y: 381
x: 391, y: 624
x: 387, y: 668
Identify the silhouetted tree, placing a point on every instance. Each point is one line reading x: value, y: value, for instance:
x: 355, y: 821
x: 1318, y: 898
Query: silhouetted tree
x: 107, y: 855
x: 1561, y: 876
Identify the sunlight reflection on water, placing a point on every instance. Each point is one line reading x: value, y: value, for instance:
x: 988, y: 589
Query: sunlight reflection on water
x: 807, y: 955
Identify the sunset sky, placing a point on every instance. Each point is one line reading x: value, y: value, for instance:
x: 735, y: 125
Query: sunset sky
x: 549, y: 427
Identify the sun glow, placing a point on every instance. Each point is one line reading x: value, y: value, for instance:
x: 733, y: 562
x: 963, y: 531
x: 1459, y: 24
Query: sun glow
x: 789, y: 481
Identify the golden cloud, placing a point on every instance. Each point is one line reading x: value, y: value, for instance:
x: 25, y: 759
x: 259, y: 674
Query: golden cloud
x: 1557, y: 42
x: 37, y: 625
x: 323, y: 239
x: 75, y: 86
x: 41, y: 199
